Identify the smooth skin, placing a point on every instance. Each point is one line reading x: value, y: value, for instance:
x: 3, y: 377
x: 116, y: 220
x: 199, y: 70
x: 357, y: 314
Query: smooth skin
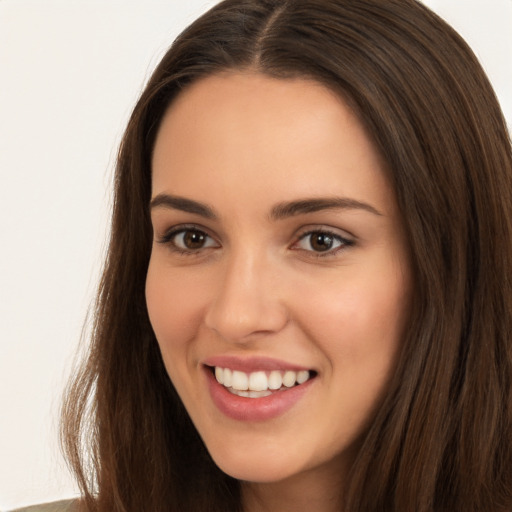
x: 322, y: 284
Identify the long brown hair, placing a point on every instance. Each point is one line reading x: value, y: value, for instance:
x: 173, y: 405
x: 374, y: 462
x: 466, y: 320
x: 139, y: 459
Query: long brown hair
x: 442, y: 438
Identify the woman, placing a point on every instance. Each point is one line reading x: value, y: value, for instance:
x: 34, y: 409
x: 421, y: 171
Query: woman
x: 307, y: 300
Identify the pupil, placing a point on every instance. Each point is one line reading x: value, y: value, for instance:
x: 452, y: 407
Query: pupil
x: 194, y: 239
x: 321, y: 242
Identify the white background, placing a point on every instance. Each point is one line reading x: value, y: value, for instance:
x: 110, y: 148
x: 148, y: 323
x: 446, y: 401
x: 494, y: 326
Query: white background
x: 70, y: 72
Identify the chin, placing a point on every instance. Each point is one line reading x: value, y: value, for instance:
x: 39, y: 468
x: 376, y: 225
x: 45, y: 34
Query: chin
x: 264, y: 471
x: 256, y: 464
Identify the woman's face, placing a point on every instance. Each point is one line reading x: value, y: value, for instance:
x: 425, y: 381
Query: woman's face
x: 279, y: 268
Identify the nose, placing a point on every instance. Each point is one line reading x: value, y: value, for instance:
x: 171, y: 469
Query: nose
x: 247, y: 302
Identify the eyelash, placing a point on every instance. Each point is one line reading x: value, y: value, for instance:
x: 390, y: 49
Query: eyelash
x: 169, y: 239
x: 344, y: 242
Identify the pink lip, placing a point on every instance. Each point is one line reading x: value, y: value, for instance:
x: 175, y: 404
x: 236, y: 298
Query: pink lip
x: 253, y: 409
x: 252, y: 364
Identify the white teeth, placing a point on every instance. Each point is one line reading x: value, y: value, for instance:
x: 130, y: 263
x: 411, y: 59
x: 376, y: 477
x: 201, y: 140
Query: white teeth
x: 240, y: 381
x: 250, y: 394
x: 275, y: 380
x: 228, y: 377
x: 258, y: 384
x: 258, y: 381
x: 289, y: 379
x: 302, y: 376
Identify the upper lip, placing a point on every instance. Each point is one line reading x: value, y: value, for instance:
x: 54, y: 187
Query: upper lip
x: 252, y: 364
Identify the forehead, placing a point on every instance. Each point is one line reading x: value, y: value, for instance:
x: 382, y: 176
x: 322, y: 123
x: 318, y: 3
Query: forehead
x: 245, y: 134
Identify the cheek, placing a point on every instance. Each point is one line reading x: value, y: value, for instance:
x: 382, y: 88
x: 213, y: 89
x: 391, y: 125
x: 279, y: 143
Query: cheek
x: 373, y: 305
x: 358, y: 321
x: 174, y: 307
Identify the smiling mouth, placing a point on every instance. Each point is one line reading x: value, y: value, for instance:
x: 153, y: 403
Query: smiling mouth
x: 260, y: 383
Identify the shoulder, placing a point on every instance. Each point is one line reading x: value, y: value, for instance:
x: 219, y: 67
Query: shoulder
x: 56, y: 506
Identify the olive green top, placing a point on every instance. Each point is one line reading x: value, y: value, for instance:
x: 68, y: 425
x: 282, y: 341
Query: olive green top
x: 56, y: 506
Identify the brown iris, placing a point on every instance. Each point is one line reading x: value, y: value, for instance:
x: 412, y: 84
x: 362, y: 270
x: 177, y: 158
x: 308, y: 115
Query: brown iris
x: 321, y: 241
x: 194, y: 239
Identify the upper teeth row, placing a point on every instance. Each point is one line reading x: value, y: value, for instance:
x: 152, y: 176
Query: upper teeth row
x: 259, y: 381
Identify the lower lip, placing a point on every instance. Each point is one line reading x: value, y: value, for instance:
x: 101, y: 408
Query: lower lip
x: 254, y: 409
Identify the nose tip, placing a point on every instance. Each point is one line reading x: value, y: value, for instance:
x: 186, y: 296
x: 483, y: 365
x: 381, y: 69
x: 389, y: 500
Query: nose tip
x: 246, y: 305
x: 241, y: 324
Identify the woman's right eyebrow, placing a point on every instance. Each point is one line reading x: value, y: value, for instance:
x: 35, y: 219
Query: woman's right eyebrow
x: 183, y: 204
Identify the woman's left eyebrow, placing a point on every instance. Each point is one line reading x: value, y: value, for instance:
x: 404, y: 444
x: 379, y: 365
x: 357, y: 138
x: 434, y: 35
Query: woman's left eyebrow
x: 315, y: 204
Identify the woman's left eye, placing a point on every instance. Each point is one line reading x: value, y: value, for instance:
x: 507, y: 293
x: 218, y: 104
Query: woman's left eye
x: 321, y: 242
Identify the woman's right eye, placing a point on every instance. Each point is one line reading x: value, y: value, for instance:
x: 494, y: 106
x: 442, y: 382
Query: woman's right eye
x: 188, y: 240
